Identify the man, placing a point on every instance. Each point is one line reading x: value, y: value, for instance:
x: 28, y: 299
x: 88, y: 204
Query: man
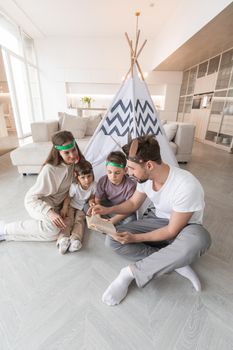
x: 169, y: 239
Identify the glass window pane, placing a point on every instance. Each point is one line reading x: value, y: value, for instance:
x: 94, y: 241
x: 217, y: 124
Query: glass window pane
x: 10, y: 36
x: 225, y: 68
x: 231, y: 82
x: 35, y: 92
x: 228, y: 108
x: 188, y: 104
x: 217, y: 107
x: 184, y: 83
x: 222, y: 93
x: 181, y: 105
x: 29, y: 48
x: 22, y: 96
x: 192, y: 80
x: 213, y: 65
x: 202, y: 69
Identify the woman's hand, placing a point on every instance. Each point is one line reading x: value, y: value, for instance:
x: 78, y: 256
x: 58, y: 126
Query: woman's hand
x: 56, y: 219
x: 124, y: 237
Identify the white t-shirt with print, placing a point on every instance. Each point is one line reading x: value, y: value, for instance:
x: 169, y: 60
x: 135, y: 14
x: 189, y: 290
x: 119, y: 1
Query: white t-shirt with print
x: 79, y: 196
x: 181, y: 192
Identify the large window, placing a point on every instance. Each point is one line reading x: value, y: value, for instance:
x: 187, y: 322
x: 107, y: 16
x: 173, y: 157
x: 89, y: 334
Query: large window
x: 22, y: 75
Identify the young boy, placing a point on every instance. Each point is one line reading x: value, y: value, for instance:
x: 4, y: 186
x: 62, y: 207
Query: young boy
x: 115, y: 187
x: 81, y: 195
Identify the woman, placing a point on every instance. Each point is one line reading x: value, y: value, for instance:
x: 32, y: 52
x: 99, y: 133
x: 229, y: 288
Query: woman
x: 44, y: 200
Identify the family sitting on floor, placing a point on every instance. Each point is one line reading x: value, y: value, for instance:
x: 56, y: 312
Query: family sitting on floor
x: 170, y: 237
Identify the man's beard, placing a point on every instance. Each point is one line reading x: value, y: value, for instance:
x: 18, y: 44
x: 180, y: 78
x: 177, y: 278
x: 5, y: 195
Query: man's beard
x: 142, y: 181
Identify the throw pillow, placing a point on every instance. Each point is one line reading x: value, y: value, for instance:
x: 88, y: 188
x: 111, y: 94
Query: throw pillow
x: 170, y: 130
x: 75, y: 125
x: 92, y: 123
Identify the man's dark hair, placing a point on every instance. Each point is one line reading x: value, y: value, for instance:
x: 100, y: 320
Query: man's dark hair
x: 117, y: 157
x: 142, y: 149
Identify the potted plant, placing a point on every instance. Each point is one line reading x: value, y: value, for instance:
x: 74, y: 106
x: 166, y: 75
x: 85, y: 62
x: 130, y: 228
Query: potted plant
x: 86, y: 100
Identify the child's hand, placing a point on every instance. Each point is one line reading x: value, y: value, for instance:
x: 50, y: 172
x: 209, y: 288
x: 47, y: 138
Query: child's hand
x: 101, y: 210
x: 89, y: 211
x: 64, y: 213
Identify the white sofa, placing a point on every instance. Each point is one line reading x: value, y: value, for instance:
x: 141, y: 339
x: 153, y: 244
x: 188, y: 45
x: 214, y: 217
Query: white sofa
x: 30, y: 157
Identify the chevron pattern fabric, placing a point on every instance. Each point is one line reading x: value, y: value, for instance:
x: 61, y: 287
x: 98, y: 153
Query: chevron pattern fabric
x: 122, y: 119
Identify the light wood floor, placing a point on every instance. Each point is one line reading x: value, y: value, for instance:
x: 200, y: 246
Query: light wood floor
x: 49, y: 301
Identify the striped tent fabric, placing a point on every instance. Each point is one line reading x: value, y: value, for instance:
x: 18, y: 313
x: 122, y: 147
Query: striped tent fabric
x: 131, y: 114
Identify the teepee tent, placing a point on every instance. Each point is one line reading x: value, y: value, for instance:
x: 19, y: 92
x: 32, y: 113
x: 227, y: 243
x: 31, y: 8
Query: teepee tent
x: 131, y: 114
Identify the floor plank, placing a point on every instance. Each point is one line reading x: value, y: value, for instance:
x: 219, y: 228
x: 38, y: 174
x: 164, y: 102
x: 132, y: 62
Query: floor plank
x: 50, y: 301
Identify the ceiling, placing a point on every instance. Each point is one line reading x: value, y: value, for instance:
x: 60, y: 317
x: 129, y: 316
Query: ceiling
x: 89, y: 17
x: 215, y: 37
x: 94, y: 18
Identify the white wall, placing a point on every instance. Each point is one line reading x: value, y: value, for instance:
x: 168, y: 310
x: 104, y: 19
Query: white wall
x: 96, y: 61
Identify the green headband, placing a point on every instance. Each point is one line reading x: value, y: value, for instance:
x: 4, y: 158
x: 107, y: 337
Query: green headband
x: 64, y: 148
x: 115, y: 164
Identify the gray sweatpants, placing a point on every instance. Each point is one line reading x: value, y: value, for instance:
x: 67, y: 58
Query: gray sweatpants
x: 156, y: 258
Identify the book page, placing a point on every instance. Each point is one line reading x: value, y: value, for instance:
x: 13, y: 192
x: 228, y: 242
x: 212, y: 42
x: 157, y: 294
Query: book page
x: 95, y: 222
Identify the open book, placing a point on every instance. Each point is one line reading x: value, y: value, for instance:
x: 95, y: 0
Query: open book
x: 95, y: 222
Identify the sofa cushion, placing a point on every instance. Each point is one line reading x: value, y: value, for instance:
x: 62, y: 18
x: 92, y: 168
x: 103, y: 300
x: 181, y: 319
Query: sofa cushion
x: 92, y: 123
x: 170, y: 130
x: 75, y: 125
x: 34, y: 153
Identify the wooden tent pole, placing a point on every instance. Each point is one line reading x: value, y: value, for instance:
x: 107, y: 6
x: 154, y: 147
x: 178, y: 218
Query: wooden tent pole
x: 133, y: 52
x: 132, y: 59
x: 137, y: 14
x: 141, y: 48
x: 136, y: 45
x: 140, y: 71
x: 130, y: 44
x: 127, y: 74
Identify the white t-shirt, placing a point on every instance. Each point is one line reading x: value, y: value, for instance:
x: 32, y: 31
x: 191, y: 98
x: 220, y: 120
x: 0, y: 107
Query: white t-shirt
x: 181, y: 192
x: 79, y: 196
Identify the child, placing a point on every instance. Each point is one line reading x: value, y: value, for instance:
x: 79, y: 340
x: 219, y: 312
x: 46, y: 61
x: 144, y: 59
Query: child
x: 81, y: 194
x: 115, y: 187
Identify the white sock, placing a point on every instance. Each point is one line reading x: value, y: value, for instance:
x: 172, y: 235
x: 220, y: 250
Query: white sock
x: 118, y: 288
x: 188, y: 272
x: 2, y: 230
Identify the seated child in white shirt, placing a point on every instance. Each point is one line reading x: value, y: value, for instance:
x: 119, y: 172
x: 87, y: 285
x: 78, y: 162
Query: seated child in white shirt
x: 81, y: 195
